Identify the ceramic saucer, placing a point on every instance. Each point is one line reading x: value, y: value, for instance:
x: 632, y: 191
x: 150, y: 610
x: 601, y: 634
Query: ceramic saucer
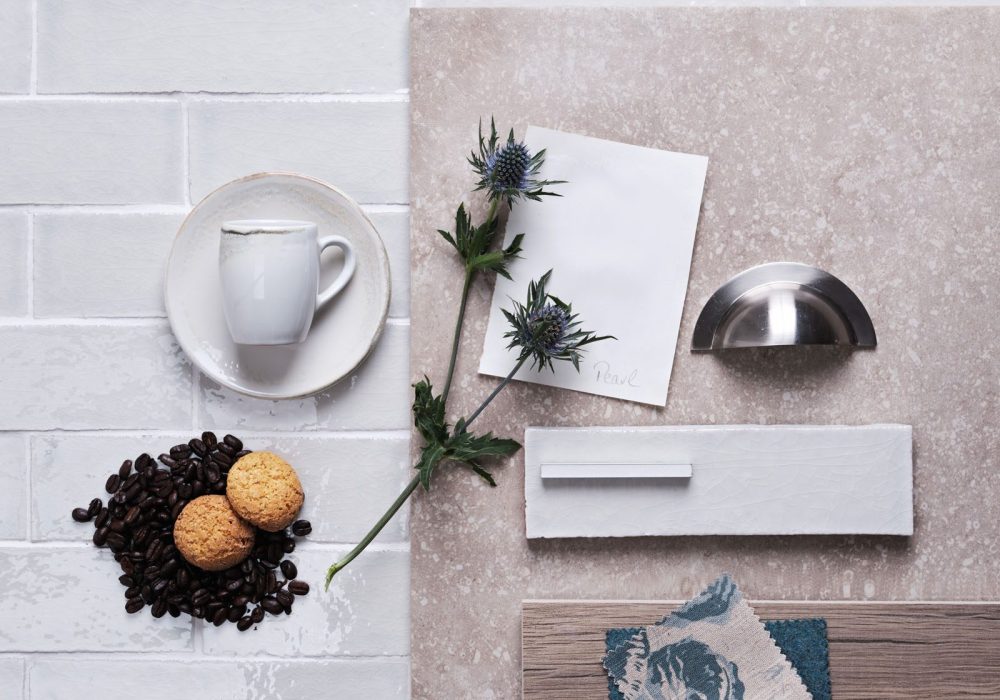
x: 344, y: 331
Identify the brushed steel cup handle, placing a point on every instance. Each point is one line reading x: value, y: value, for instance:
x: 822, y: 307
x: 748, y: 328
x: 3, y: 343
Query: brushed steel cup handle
x: 345, y: 275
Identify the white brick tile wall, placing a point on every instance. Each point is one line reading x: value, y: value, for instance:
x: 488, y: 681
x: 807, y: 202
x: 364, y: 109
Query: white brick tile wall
x: 72, y: 151
x: 13, y: 486
x: 150, y: 679
x: 13, y: 263
x: 375, y: 397
x: 12, y: 678
x: 15, y: 45
x: 104, y: 264
x: 222, y: 46
x: 359, y: 615
x: 349, y: 480
x: 92, y: 376
x: 68, y: 599
x: 359, y: 145
x: 394, y: 227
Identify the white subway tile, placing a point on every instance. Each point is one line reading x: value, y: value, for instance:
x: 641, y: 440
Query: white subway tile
x: 92, y: 376
x: 348, y: 481
x: 222, y: 46
x: 13, y: 263
x: 101, y: 264
x: 58, y: 678
x: 90, y: 152
x: 394, y: 228
x: 365, y: 612
x: 12, y: 678
x: 15, y: 45
x: 361, y: 147
x: 69, y: 599
x: 13, y: 486
x: 374, y: 397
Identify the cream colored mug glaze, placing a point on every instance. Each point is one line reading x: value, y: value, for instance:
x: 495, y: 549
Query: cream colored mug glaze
x: 269, y: 270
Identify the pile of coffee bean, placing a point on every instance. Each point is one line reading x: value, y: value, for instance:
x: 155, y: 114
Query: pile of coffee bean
x: 137, y: 526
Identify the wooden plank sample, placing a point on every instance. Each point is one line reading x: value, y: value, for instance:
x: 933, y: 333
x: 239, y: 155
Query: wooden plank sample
x: 877, y: 649
x: 746, y: 480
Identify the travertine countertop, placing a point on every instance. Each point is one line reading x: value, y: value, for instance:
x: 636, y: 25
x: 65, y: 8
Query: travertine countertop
x: 862, y: 141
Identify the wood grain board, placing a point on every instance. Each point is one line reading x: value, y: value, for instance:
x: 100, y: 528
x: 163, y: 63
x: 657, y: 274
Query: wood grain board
x: 877, y: 650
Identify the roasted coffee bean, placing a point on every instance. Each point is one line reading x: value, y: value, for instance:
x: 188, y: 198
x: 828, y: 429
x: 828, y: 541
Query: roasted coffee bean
x: 180, y: 451
x: 220, y: 616
x: 164, y: 488
x: 131, y: 481
x: 244, y: 624
x: 116, y: 542
x: 288, y: 546
x: 272, y: 606
x: 132, y: 515
x: 212, y: 473
x: 95, y: 507
x: 241, y: 454
x: 257, y: 615
x: 159, y: 608
x: 224, y: 449
x: 168, y: 569
x: 285, y: 598
x: 160, y: 586
x: 233, y: 442
x: 134, y: 605
x: 117, y: 525
x: 126, y: 580
x: 102, y: 518
x: 223, y: 460
x: 301, y: 528
x: 101, y: 536
x: 234, y: 614
x: 141, y: 461
x: 209, y: 439
x: 174, y: 610
x: 288, y: 569
x: 112, y: 484
x: 298, y: 587
x: 81, y: 515
x: 167, y: 461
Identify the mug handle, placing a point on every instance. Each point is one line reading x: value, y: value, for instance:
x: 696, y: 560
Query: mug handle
x: 345, y: 275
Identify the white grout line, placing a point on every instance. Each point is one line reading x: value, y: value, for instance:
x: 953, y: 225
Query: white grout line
x: 29, y: 456
x: 30, y: 262
x: 33, y: 79
x: 121, y: 321
x: 213, y: 97
x: 94, y: 209
x: 389, y: 433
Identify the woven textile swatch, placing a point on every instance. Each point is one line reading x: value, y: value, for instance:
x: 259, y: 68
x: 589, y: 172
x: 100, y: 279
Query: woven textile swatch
x: 712, y: 647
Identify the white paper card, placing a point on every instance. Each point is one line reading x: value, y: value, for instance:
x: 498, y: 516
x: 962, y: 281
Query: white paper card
x: 619, y: 240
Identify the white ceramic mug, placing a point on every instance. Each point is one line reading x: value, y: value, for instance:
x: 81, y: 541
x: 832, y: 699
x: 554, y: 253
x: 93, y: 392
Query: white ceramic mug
x: 270, y: 278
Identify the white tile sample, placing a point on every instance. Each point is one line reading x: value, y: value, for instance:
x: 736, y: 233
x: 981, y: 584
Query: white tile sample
x: 69, y: 599
x: 222, y: 46
x: 74, y: 377
x: 394, y: 228
x: 13, y: 263
x: 58, y: 678
x: 15, y: 46
x: 91, y: 152
x: 362, y: 614
x: 13, y: 485
x: 101, y: 264
x: 359, y: 146
x: 374, y: 397
x: 349, y: 481
x: 747, y: 480
x: 12, y: 678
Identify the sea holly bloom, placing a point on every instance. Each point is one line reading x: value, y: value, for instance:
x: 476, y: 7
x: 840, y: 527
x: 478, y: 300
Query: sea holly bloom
x: 545, y: 328
x: 509, y: 171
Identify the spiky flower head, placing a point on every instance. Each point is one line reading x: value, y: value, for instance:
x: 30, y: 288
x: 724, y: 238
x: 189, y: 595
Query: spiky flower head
x: 508, y: 171
x: 545, y: 328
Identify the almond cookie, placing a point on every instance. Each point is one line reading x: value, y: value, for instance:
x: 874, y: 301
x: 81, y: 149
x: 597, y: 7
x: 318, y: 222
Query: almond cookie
x: 264, y: 490
x: 210, y: 535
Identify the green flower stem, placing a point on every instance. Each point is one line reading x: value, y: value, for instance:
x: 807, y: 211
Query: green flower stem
x: 373, y: 533
x: 500, y: 386
x: 470, y: 274
x: 411, y: 487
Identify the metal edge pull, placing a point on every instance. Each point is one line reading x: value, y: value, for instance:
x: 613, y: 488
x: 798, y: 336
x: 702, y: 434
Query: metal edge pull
x: 613, y: 470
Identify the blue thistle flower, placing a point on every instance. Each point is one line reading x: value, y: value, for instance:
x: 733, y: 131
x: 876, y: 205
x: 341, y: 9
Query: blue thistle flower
x: 508, y: 171
x: 545, y: 328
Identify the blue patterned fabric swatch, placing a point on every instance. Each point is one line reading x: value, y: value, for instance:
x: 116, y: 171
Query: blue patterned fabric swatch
x: 803, y: 642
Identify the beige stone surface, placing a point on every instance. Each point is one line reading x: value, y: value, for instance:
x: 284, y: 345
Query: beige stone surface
x: 863, y: 141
